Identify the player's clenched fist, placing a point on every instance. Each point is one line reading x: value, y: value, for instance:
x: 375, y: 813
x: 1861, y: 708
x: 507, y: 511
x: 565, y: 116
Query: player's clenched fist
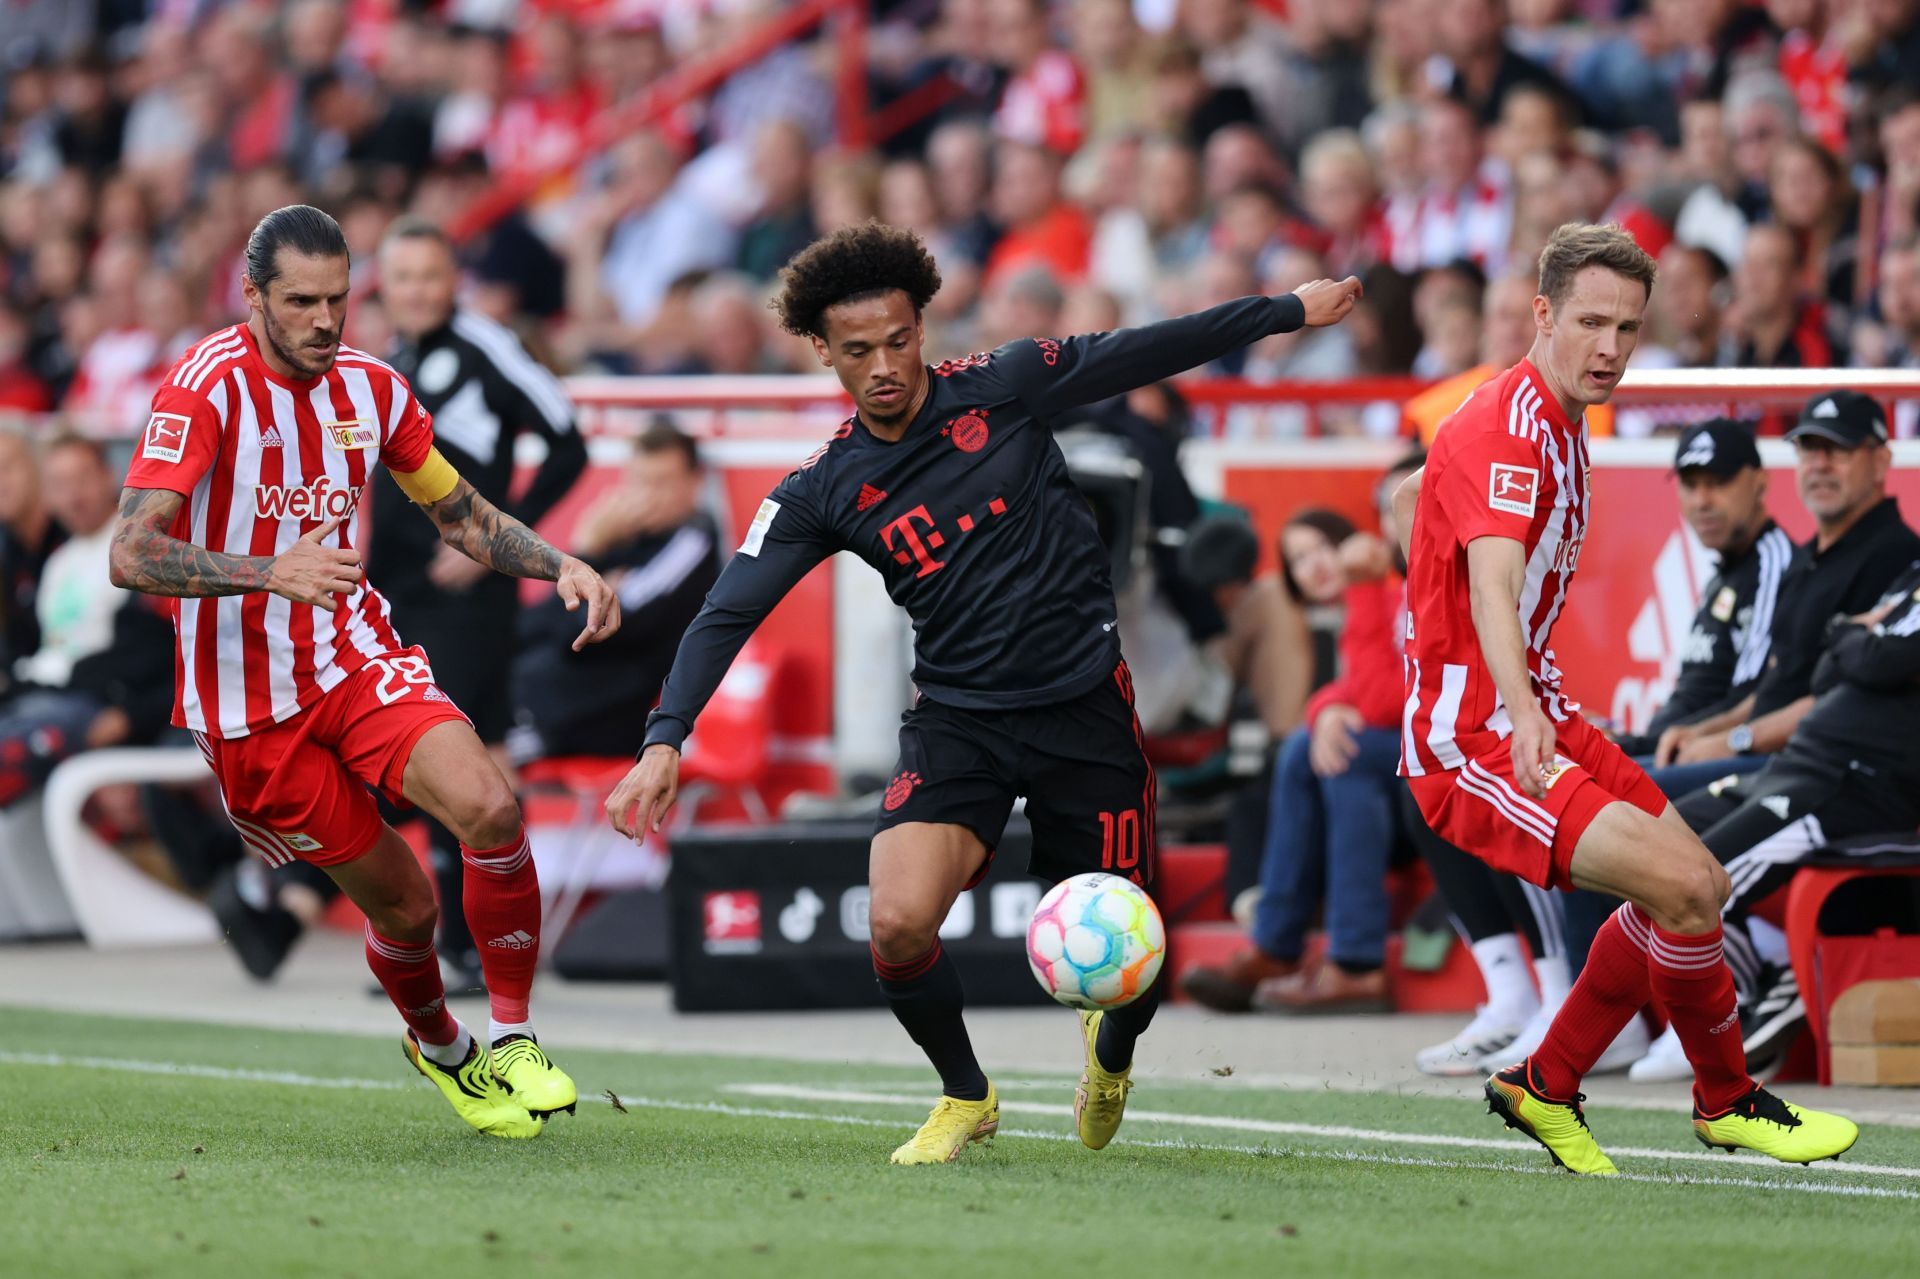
x: 309, y: 573
x: 1534, y: 743
x: 1329, y: 301
x: 641, y: 800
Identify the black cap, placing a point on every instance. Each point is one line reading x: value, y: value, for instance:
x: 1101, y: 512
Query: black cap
x: 1721, y: 447
x: 1848, y: 418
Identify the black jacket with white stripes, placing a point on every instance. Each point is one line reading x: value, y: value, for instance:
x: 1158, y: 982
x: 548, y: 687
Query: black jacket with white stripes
x: 587, y: 703
x: 1727, y: 648
x: 483, y: 390
x: 1867, y: 690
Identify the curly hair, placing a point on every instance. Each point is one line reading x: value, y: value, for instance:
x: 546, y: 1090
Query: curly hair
x: 851, y: 264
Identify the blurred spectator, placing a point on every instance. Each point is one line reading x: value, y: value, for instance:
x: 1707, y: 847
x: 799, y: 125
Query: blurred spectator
x: 21, y: 389
x: 1310, y: 570
x: 1088, y: 308
x: 29, y: 533
x: 1238, y: 156
x: 1460, y: 209
x: 1899, y: 138
x: 1041, y: 226
x: 1478, y: 65
x: 960, y: 158
x: 1813, y: 199
x: 1773, y: 326
x: 1885, y: 43
x: 1534, y: 120
x: 1341, y: 195
x: 653, y: 232
x: 647, y: 536
x: 1112, y: 53
x: 1186, y: 103
x: 1310, y: 354
x: 781, y: 86
x: 1685, y: 316
x: 348, y: 126
x: 1139, y: 247
x: 544, y: 124
x: 846, y: 191
x: 1239, y: 45
x: 784, y: 223
x: 1020, y: 304
x: 1266, y: 647
x: 1813, y: 61
x: 1045, y: 101
x: 728, y: 335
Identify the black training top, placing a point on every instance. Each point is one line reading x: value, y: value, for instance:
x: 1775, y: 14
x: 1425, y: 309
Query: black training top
x: 970, y: 517
x: 1847, y: 578
x: 1732, y: 636
x: 1867, y: 689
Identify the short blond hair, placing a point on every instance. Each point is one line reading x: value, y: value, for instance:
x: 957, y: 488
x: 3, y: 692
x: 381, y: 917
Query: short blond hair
x: 1575, y: 246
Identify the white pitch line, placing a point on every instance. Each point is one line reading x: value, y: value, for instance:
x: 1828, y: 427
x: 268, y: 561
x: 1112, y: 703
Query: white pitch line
x: 230, y: 1074
x: 1288, y: 1128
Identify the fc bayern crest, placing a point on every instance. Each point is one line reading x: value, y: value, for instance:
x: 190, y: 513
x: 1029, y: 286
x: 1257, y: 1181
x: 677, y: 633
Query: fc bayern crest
x: 897, y: 792
x: 970, y: 433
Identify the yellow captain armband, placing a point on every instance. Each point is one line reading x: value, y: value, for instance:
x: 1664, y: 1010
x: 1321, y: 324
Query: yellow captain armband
x: 433, y: 481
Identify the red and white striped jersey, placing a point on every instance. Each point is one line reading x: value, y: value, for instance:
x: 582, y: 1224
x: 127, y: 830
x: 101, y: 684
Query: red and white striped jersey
x: 1506, y: 464
x: 262, y: 459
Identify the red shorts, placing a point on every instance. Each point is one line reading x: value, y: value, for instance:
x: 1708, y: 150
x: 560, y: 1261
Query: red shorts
x: 1481, y: 810
x: 298, y: 789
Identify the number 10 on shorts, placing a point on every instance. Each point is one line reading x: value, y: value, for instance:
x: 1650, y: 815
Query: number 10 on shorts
x: 1120, y: 840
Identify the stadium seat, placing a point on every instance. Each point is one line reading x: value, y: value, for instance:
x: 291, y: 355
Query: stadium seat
x: 115, y: 902
x: 728, y: 753
x: 1827, y: 963
x: 587, y: 780
x: 31, y: 901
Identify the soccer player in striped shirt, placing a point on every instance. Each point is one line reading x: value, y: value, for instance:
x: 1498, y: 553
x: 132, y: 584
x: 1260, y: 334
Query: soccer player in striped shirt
x: 1498, y: 756
x: 289, y: 672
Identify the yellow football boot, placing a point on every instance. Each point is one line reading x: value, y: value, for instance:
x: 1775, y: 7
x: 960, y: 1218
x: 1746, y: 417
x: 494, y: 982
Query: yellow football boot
x: 1761, y: 1121
x: 524, y: 1067
x: 1560, y: 1126
x: 473, y: 1091
x: 1100, y: 1102
x: 949, y: 1128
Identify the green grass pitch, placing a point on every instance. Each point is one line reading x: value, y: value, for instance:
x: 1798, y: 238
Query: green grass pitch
x: 139, y: 1148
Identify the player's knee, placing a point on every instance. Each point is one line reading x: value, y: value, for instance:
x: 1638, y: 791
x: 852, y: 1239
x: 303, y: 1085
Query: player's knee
x: 1697, y: 891
x: 899, y: 935
x: 410, y: 919
x: 492, y: 817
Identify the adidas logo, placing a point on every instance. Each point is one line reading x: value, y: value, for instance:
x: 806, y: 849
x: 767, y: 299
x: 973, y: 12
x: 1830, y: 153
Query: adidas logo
x: 869, y: 497
x: 1825, y: 408
x: 518, y: 939
x: 433, y: 694
x: 270, y: 438
x: 1778, y: 805
x: 431, y: 1009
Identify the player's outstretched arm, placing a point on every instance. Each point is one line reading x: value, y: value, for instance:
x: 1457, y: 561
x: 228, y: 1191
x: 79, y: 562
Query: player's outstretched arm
x: 1051, y: 376
x: 146, y: 556
x: 487, y: 535
x: 1496, y: 571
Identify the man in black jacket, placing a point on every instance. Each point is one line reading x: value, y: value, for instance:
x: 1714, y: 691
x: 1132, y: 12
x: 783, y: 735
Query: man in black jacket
x: 948, y: 482
x: 649, y: 539
x: 483, y: 391
x: 1723, y: 496
x: 1849, y: 769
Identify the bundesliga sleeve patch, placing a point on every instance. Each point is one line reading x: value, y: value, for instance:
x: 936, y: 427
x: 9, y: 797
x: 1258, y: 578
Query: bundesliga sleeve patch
x: 166, y: 437
x: 757, y: 531
x: 1513, y: 489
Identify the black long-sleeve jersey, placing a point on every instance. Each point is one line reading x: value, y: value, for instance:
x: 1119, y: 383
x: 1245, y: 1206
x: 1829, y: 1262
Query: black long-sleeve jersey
x: 482, y: 389
x: 1867, y: 689
x: 970, y: 517
x: 1732, y: 635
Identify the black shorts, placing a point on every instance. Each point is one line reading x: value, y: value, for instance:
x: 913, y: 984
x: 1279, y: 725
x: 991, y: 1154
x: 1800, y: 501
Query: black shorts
x: 1080, y: 765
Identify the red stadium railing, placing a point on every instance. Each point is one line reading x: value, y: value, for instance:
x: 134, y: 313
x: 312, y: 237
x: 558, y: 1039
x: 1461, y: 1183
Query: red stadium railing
x: 848, y: 19
x: 768, y: 406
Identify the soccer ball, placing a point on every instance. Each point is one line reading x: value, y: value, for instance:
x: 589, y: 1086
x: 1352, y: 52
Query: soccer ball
x: 1096, y: 941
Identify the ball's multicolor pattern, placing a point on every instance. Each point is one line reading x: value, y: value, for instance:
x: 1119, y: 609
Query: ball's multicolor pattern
x: 1096, y: 941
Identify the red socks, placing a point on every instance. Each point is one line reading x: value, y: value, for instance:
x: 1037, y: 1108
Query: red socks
x: 410, y: 974
x: 502, y: 897
x: 1612, y: 990
x: 1692, y: 980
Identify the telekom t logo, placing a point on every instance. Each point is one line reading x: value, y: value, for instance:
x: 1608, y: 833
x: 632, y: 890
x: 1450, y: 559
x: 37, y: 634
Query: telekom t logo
x: 915, y: 549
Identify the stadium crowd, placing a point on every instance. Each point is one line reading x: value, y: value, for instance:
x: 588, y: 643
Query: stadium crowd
x: 1084, y: 164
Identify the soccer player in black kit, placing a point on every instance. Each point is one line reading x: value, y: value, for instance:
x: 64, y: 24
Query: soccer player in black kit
x: 948, y: 482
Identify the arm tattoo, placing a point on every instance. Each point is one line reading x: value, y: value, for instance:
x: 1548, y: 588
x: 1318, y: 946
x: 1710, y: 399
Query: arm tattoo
x: 145, y: 556
x: 484, y: 533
